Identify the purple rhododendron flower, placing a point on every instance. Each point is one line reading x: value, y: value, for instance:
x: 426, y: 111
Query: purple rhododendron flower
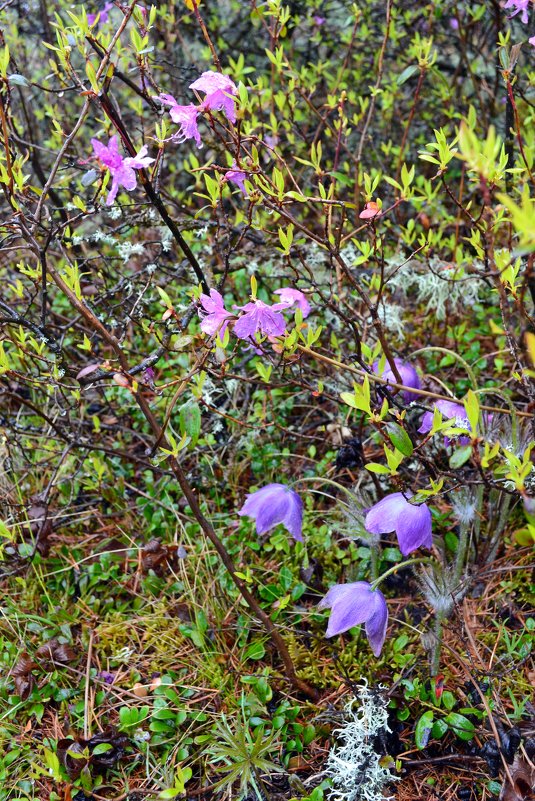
x: 104, y: 15
x: 220, y: 91
x: 409, y: 377
x: 274, y: 504
x: 290, y: 296
x: 121, y: 169
x: 354, y: 604
x: 318, y: 20
x: 261, y: 317
x: 236, y: 176
x: 214, y: 315
x: 449, y: 410
x: 521, y: 7
x: 185, y: 117
x: 532, y: 41
x: 412, y: 524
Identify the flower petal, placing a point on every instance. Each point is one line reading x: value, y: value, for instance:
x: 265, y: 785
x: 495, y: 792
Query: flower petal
x: 377, y: 624
x: 351, y: 604
x: 414, y: 528
x: 383, y: 516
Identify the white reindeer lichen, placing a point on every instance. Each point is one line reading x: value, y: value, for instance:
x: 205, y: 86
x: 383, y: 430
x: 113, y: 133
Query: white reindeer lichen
x: 353, y: 765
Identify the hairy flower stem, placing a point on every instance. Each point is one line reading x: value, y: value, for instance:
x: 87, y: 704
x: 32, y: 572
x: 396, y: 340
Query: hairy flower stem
x: 189, y: 493
x: 375, y: 552
x: 462, y: 548
x: 437, y: 647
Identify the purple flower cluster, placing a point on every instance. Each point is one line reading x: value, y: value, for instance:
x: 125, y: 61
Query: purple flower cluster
x: 220, y: 93
x: 521, y: 7
x: 257, y: 318
x: 355, y: 603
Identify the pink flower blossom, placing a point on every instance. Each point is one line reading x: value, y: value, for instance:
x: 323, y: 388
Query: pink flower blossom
x: 121, y: 169
x: 214, y: 315
x: 185, y: 117
x: 260, y: 317
x: 289, y: 297
x: 318, y: 20
x: 220, y: 91
x: 237, y: 177
x: 521, y: 7
x: 532, y: 41
x: 103, y: 15
x: 370, y: 211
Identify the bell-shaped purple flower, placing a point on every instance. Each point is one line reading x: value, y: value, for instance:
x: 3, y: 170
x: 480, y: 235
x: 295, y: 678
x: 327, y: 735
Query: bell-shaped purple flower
x: 412, y: 524
x: 409, y: 377
x: 290, y: 296
x: 274, y: 504
x: 449, y: 410
x: 261, y: 317
x: 354, y: 604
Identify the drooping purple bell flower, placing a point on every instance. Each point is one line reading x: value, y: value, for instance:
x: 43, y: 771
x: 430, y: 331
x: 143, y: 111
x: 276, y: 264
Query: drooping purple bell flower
x: 274, y: 504
x: 449, y: 410
x: 412, y: 524
x: 409, y: 377
x: 354, y: 604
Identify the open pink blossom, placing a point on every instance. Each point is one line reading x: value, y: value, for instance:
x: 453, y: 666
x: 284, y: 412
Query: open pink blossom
x: 260, y: 317
x: 521, y: 7
x: 185, y: 117
x: 290, y: 296
x: 532, y: 41
x: 121, y: 169
x: 214, y: 315
x: 370, y: 211
x: 220, y: 92
x: 236, y: 176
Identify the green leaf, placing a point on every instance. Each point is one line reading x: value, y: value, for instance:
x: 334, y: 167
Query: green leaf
x: 471, y: 404
x: 462, y: 727
x: 190, y: 421
x: 439, y: 729
x: 101, y: 748
x: 422, y: 732
x: 407, y: 73
x: 400, y: 439
x: 460, y: 456
x: 375, y: 467
x: 255, y: 651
